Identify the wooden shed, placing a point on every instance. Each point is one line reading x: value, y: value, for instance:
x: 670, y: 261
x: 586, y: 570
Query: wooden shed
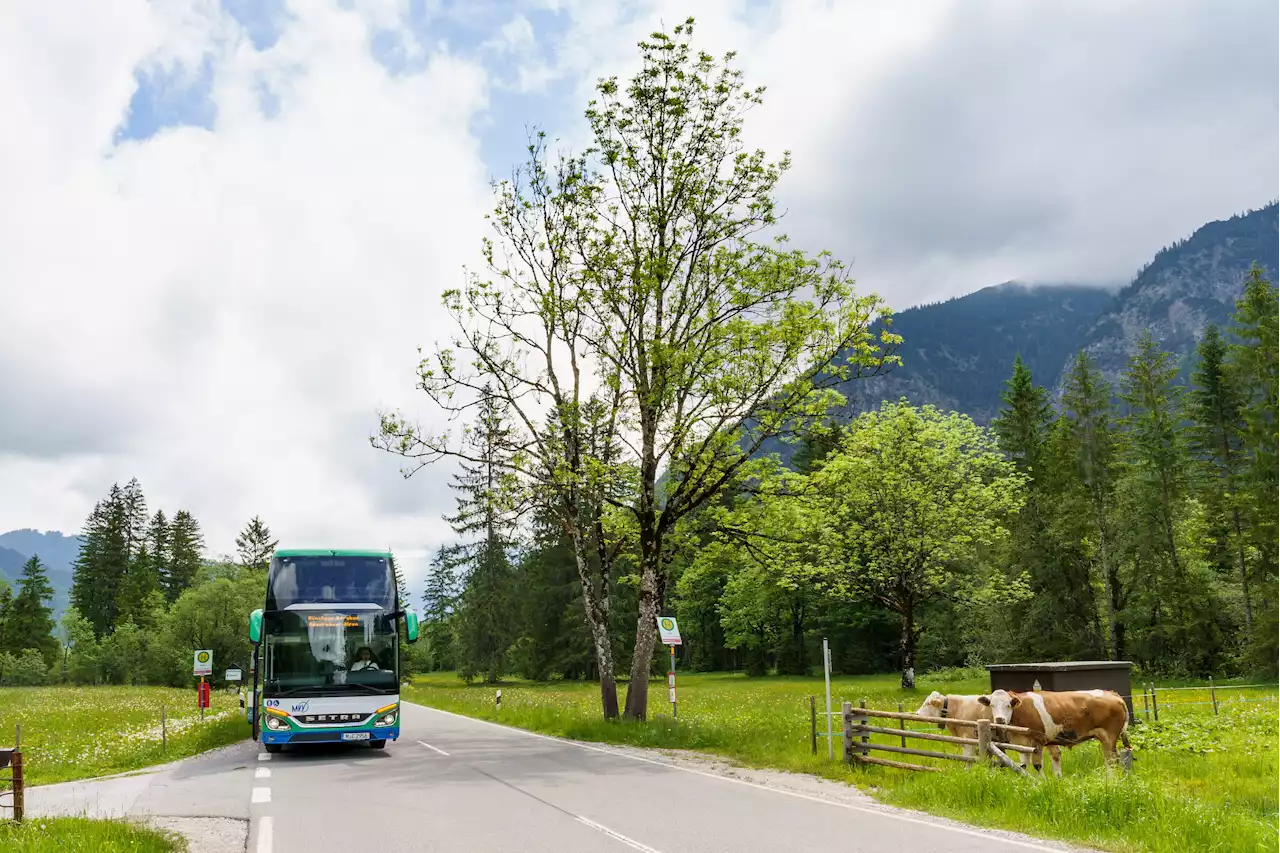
x: 1066, y: 675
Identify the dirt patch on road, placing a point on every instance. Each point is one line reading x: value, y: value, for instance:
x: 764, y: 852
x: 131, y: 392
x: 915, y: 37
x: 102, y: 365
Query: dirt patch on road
x: 206, y: 834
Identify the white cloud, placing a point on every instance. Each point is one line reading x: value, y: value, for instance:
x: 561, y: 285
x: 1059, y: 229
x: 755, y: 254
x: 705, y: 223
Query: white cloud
x: 222, y: 313
x: 238, y: 303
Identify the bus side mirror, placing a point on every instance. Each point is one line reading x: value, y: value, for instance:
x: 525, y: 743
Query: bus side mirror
x: 411, y: 626
x: 255, y: 627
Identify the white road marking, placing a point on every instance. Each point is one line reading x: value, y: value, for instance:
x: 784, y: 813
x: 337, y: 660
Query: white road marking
x: 262, y: 773
x: 261, y: 795
x: 264, y: 836
x: 436, y: 748
x: 264, y: 756
x: 630, y: 842
x: 988, y: 836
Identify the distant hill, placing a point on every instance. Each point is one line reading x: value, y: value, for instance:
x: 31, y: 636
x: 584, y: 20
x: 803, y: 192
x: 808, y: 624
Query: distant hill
x: 56, y: 550
x: 958, y: 353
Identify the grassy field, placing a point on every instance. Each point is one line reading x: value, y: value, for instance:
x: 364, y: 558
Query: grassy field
x: 79, y: 835
x: 79, y: 732
x: 1200, y: 783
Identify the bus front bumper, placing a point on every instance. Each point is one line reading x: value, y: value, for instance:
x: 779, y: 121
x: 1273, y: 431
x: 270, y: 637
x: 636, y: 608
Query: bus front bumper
x: 332, y: 735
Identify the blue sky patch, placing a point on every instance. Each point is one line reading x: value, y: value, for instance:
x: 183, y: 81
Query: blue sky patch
x: 169, y: 99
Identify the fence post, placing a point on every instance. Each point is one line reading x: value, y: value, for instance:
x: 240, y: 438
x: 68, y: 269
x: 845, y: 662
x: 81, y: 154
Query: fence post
x: 902, y: 724
x: 1214, y: 696
x: 813, y: 725
x: 1146, y: 709
x: 984, y: 741
x: 846, y: 714
x: 19, y: 797
x: 863, y: 722
x: 1155, y: 705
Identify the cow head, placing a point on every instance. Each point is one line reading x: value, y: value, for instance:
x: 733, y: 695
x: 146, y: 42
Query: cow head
x: 932, y: 706
x: 1002, y: 703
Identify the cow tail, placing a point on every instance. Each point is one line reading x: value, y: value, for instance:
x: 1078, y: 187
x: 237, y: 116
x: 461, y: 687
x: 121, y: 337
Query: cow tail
x: 1124, y: 730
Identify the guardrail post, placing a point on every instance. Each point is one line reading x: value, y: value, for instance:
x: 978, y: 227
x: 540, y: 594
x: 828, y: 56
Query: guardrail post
x: 846, y: 714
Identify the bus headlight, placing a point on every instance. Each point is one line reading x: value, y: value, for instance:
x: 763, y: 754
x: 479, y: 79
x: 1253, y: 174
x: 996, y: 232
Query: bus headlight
x: 387, y: 719
x: 276, y: 724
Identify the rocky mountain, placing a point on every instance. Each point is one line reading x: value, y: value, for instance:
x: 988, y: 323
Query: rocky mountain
x: 1186, y: 287
x: 957, y: 354
x: 56, y: 550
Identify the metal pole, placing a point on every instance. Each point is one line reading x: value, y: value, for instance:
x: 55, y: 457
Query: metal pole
x: 19, y: 797
x: 671, y: 680
x: 826, y: 670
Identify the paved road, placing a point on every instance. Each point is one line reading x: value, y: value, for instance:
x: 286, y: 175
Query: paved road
x: 455, y: 784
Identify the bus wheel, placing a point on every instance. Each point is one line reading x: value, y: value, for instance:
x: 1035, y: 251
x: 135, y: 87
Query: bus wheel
x: 378, y: 744
x: 273, y: 747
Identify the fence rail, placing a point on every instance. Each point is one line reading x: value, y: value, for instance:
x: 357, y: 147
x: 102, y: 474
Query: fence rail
x: 981, y: 748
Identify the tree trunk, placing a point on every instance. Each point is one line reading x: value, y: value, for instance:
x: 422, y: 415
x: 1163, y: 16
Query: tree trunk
x: 595, y: 603
x: 646, y: 630
x: 907, y: 648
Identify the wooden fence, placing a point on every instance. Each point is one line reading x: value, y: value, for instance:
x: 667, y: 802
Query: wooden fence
x: 858, y: 745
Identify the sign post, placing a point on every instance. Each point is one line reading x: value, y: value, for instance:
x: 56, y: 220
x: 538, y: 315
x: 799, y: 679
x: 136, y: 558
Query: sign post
x: 826, y: 674
x: 670, y: 634
x: 202, y: 665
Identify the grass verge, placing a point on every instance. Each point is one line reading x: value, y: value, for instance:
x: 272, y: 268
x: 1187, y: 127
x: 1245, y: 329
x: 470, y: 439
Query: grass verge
x: 81, y: 835
x: 81, y: 732
x: 1201, y: 782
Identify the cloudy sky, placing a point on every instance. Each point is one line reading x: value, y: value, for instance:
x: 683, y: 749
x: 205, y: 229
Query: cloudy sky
x: 226, y: 225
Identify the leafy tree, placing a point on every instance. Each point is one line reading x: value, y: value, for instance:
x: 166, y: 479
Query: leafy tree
x: 899, y: 512
x: 102, y: 563
x: 1216, y: 405
x: 255, y: 545
x: 29, y: 624
x: 82, y: 653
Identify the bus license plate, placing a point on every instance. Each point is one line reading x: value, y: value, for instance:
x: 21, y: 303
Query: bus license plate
x: 355, y: 735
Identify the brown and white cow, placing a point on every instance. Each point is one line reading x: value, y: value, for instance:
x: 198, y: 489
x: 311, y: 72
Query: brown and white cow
x: 1063, y: 718
x: 955, y: 706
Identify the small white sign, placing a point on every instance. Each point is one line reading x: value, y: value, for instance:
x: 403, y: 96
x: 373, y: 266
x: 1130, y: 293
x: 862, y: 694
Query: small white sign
x: 668, y: 631
x: 234, y: 675
x: 203, y: 664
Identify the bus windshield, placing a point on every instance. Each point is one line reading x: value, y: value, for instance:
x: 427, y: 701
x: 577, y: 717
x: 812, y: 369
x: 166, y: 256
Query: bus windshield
x: 328, y: 579
x: 321, y: 651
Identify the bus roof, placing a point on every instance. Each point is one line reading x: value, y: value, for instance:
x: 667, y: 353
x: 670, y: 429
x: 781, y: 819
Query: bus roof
x: 331, y: 552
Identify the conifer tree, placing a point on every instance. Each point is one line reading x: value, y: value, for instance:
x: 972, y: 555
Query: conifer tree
x: 185, y: 546
x: 30, y: 622
x: 1216, y: 404
x: 1089, y: 444
x: 1254, y: 363
x: 255, y: 545
x: 158, y: 547
x: 487, y: 514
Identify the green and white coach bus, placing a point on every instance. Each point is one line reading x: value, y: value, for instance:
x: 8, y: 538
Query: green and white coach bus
x: 327, y: 648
